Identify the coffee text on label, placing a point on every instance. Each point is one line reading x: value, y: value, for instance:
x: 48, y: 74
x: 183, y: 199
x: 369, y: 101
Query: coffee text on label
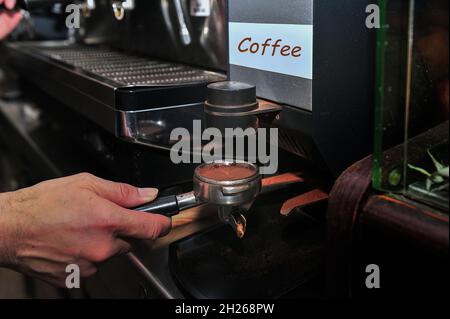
x: 280, y: 48
x: 269, y: 46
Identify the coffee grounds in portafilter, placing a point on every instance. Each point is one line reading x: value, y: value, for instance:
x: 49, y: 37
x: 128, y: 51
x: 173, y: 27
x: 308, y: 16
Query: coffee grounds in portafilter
x: 222, y: 173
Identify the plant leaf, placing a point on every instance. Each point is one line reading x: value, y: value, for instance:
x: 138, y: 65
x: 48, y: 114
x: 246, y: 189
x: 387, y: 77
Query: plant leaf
x: 428, y: 184
x: 420, y: 170
x: 437, y: 164
x: 444, y: 172
x: 437, y: 179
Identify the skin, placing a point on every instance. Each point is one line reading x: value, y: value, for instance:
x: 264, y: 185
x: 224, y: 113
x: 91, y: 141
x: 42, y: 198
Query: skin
x: 8, y: 20
x: 80, y: 219
x: 74, y: 220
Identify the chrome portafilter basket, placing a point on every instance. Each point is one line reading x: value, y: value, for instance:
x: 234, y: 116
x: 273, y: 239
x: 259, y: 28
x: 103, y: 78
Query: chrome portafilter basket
x: 232, y: 195
x: 230, y: 186
x: 232, y: 190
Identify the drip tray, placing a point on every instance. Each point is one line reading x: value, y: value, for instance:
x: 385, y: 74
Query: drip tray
x: 100, y: 82
x: 126, y: 69
x: 279, y: 257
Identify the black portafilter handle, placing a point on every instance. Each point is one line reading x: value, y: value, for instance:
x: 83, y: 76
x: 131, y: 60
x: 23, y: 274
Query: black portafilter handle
x: 170, y: 206
x: 31, y: 5
x: 166, y: 206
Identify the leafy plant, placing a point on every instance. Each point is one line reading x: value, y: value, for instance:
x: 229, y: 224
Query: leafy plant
x: 436, y: 181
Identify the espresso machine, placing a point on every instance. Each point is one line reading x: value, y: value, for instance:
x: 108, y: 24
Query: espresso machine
x: 106, y: 97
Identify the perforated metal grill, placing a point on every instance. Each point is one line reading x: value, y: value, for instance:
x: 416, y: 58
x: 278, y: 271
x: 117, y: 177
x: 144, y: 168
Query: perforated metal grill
x: 129, y: 70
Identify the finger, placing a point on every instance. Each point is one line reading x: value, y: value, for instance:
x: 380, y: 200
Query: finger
x: 8, y: 22
x: 87, y: 269
x: 123, y: 194
x: 140, y: 225
x: 121, y: 247
x: 10, y: 4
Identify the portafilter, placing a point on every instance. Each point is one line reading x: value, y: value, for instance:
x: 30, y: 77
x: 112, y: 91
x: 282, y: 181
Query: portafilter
x: 231, y: 186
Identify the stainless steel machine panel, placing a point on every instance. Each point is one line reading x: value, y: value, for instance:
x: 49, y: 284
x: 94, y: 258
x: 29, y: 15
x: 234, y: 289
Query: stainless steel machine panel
x: 316, y: 59
x: 280, y: 17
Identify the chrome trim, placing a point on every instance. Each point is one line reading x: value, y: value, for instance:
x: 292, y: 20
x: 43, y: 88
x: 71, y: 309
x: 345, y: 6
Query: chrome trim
x: 188, y: 200
x: 157, y: 285
x: 120, y: 7
x: 152, y: 127
x: 185, y: 35
x: 160, y: 108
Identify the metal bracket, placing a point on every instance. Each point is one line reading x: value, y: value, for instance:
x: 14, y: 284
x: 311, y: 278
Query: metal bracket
x: 87, y: 6
x: 120, y: 7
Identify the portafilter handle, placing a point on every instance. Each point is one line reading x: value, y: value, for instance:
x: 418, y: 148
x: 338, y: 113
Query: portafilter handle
x: 170, y: 206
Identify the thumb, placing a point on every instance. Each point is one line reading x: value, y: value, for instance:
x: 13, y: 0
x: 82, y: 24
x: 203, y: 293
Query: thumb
x: 139, y: 225
x: 123, y: 194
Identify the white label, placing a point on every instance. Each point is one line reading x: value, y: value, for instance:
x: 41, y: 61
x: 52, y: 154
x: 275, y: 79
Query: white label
x: 200, y: 8
x: 279, y: 48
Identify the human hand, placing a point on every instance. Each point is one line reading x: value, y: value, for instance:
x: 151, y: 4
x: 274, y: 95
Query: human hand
x: 8, y: 19
x: 74, y: 220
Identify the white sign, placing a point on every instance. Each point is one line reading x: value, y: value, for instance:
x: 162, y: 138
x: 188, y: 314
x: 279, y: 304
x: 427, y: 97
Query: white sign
x: 200, y: 8
x: 279, y: 48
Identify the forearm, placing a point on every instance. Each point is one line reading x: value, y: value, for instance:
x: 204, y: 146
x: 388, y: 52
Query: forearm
x: 6, y: 245
x: 78, y: 220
